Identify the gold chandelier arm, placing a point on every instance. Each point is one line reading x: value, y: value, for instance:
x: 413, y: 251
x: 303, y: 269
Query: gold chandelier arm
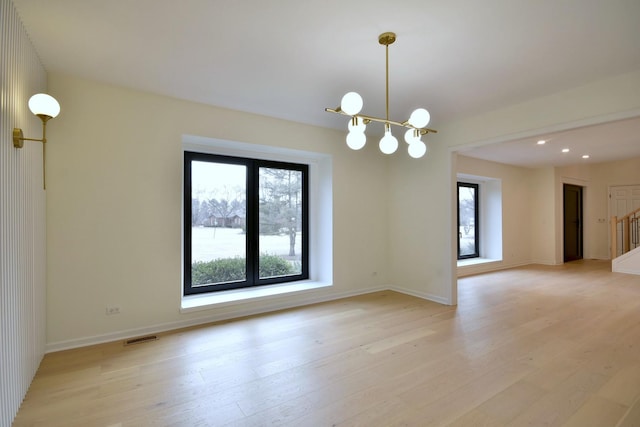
x: 368, y: 119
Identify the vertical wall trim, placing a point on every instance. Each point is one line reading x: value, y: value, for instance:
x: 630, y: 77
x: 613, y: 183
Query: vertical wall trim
x: 22, y: 218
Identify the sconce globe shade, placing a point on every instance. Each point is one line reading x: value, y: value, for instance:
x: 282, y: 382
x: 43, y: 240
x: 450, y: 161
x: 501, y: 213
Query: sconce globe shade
x: 388, y: 143
x: 360, y: 127
x: 410, y: 136
x: 356, y: 140
x: 417, y: 149
x: 419, y: 118
x: 351, y: 103
x: 44, y: 104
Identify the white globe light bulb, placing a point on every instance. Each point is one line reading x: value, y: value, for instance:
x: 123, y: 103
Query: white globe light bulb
x: 44, y: 104
x: 417, y: 149
x: 360, y: 127
x: 419, y: 118
x: 356, y: 140
x: 388, y: 143
x: 351, y: 103
x: 410, y: 136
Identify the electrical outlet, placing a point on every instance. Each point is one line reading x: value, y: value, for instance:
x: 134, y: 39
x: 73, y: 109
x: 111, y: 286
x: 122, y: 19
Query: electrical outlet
x: 112, y: 310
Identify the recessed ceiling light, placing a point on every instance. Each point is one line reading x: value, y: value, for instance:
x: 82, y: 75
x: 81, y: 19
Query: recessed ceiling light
x: 585, y: 156
x: 565, y: 150
x: 541, y: 142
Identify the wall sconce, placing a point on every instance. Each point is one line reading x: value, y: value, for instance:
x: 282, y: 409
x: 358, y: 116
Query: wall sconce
x: 46, y: 107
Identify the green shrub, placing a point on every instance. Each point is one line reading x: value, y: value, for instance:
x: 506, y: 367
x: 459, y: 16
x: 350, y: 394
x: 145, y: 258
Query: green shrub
x: 219, y: 270
x: 233, y: 269
x: 272, y: 265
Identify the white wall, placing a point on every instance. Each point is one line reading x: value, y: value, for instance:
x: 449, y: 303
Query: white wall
x: 544, y: 225
x: 517, y: 210
x: 113, y: 212
x: 420, y: 233
x: 114, y: 209
x: 22, y: 217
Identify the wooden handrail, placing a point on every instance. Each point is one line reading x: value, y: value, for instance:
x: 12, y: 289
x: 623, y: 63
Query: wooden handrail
x: 625, y: 222
x: 629, y: 215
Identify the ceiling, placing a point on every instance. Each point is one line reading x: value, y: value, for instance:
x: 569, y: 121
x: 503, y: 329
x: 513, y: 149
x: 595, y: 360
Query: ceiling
x: 604, y: 142
x: 290, y: 59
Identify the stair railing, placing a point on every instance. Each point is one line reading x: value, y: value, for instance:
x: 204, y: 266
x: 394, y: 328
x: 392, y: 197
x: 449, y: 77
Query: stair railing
x: 625, y: 233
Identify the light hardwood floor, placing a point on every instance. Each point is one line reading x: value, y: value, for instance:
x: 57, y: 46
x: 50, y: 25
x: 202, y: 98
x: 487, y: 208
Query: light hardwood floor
x: 532, y: 346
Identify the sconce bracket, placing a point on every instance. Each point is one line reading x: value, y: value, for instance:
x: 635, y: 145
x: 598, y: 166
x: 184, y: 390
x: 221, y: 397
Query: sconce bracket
x: 18, y: 138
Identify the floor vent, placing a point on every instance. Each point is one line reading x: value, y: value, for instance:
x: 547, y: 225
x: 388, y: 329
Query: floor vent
x: 141, y: 340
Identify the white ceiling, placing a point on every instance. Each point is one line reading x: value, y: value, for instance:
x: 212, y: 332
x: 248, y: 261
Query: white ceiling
x: 290, y: 58
x: 605, y: 142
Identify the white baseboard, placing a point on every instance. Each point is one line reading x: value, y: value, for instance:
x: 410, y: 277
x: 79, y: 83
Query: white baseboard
x: 625, y: 271
x: 421, y: 295
x: 269, y: 306
x: 471, y: 270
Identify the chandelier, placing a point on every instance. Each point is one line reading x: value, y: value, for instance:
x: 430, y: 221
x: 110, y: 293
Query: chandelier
x: 351, y: 105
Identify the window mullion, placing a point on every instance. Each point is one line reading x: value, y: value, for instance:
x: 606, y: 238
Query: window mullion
x: 253, y: 225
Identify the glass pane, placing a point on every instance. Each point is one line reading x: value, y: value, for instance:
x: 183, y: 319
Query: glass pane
x: 280, y: 222
x: 218, y: 223
x: 467, y: 215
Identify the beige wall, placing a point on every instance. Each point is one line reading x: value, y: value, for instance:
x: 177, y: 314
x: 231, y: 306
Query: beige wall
x: 114, y: 208
x: 544, y: 223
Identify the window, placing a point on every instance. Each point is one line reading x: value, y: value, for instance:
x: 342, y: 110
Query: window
x: 248, y: 222
x: 468, y: 224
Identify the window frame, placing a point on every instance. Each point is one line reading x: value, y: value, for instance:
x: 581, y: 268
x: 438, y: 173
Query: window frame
x: 476, y: 224
x: 253, y: 166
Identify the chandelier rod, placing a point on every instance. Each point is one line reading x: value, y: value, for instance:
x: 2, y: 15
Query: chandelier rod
x: 386, y: 43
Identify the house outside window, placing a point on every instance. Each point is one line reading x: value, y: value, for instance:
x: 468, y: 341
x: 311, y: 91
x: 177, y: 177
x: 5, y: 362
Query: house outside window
x: 248, y: 222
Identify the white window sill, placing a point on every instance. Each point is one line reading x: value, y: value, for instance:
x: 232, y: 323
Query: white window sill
x: 476, y: 261
x: 215, y: 299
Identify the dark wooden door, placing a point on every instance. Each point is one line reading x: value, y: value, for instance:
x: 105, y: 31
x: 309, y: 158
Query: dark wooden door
x: 572, y: 222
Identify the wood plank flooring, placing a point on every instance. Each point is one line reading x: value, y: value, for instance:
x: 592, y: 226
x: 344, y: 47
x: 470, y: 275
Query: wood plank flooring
x: 532, y: 346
